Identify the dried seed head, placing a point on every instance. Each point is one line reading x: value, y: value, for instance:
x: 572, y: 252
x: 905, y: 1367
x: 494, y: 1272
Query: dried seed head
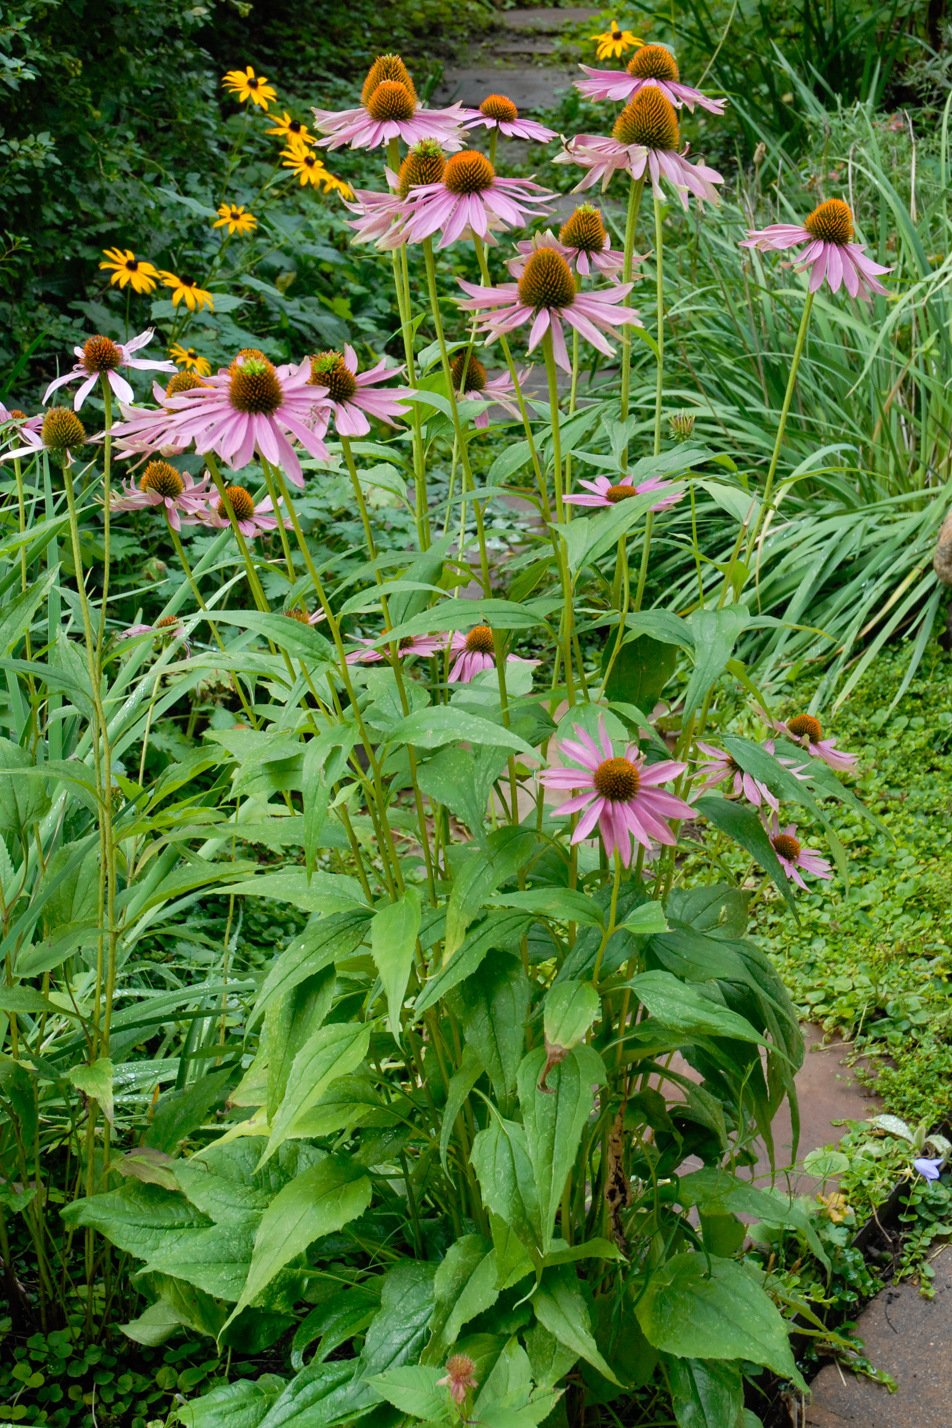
x: 547, y: 280
x: 648, y: 119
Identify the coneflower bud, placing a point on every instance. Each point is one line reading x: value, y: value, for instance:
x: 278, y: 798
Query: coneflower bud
x: 62, y: 430
x: 386, y: 67
x: 653, y: 62
x: 584, y: 230
x: 328, y: 369
x: 649, y: 120
x: 425, y: 163
x: 681, y: 425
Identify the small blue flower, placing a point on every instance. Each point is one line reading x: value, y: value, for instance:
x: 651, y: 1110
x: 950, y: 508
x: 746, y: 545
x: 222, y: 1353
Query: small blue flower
x: 929, y: 1169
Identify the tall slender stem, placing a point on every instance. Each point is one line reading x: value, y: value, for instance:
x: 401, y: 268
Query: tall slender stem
x: 659, y: 308
x: 634, y: 203
x: 567, y: 617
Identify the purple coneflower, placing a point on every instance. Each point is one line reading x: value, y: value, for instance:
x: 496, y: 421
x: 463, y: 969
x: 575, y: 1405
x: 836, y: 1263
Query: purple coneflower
x: 169, y: 627
x: 644, y: 143
x: 807, y: 731
x: 380, y: 215
x: 470, y: 198
x: 792, y: 855
x: 653, y: 65
x: 498, y: 112
x: 101, y: 357
x: 720, y: 766
x: 253, y: 407
x: 546, y: 296
x: 337, y: 382
x: 473, y: 383
x: 144, y: 430
x: 604, y: 492
x: 828, y: 250
x: 372, y: 653
x: 185, y: 500
x: 389, y: 109
x: 59, y: 432
x: 250, y: 519
x: 476, y: 651
x: 619, y: 792
x: 583, y: 242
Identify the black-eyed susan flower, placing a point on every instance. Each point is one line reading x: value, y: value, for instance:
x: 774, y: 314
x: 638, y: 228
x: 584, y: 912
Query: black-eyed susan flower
x: 101, y: 357
x: 310, y: 169
x: 245, y: 85
x: 189, y: 360
x: 825, y: 237
x: 652, y: 65
x: 614, y: 42
x: 236, y: 218
x: 187, y: 290
x: 126, y: 269
x: 294, y: 130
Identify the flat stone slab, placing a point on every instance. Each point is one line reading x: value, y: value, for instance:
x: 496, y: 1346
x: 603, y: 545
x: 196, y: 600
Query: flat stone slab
x: 547, y: 19
x: 908, y: 1336
x: 528, y: 86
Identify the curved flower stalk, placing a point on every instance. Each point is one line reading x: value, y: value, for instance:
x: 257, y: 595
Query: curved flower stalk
x: 472, y: 382
x: 475, y: 651
x: 793, y: 857
x: 251, y: 407
x: 653, y: 65
x: 348, y: 393
x: 604, y: 492
x: 620, y: 793
x: 645, y: 143
x: 389, y: 109
x: 545, y: 298
x: 469, y: 199
x: 102, y: 357
x: 828, y: 251
x: 499, y: 114
x: 184, y: 500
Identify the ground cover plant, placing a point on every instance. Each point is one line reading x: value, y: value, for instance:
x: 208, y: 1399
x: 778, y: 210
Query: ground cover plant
x: 376, y: 881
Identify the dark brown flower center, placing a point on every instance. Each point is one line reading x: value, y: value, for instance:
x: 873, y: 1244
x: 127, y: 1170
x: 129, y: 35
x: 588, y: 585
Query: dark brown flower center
x: 831, y: 222
x: 468, y: 172
x: 480, y: 640
x: 167, y: 622
x: 391, y: 100
x: 619, y: 493
x: 617, y: 779
x: 163, y: 479
x: 584, y: 230
x: 132, y: 265
x: 547, y: 280
x: 101, y: 354
x: 497, y: 106
x: 386, y: 67
x: 653, y: 62
x: 62, y: 430
x: 328, y: 369
x: 183, y: 382
x: 649, y: 119
x: 786, y: 846
x: 254, y: 385
x: 469, y: 374
x: 240, y: 502
x: 805, y: 726
x: 300, y: 615
x: 425, y: 163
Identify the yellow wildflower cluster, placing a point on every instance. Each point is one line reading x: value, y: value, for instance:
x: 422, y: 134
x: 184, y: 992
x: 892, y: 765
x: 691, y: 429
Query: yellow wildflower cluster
x: 126, y: 270
x: 298, y: 153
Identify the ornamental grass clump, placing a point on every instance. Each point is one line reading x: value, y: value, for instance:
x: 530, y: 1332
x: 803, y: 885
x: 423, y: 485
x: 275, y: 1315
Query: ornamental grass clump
x: 443, y: 1142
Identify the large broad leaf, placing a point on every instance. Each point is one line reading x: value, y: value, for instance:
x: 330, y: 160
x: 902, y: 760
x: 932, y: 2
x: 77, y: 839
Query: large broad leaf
x: 393, y: 936
x: 715, y: 633
x: 560, y: 1307
x: 720, y: 1192
x: 705, y: 1393
x: 554, y: 1118
x: 682, y: 1008
x: 429, y: 728
x: 466, y: 1284
x: 316, y: 947
x: 318, y: 1202
x: 698, y: 1306
x: 497, y: 931
x: 399, y: 1330
x: 493, y: 1007
x: 414, y: 1390
x: 500, y: 1158
x: 242, y: 1404
x: 507, y: 850
x: 570, y: 1009
x: 331, y: 1052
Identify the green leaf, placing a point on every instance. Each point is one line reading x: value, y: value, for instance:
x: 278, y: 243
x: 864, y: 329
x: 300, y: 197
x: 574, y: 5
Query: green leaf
x: 318, y: 946
x: 393, y: 937
x: 95, y: 1081
x: 698, y: 1306
x: 332, y: 1051
x: 317, y: 1202
x: 646, y: 920
x: 501, y: 931
x: 714, y: 633
x: 399, y: 1330
x: 560, y: 1307
x: 466, y: 1284
x: 554, y: 1119
x: 431, y: 727
x: 588, y: 537
x: 720, y: 1192
x: 743, y: 825
x: 683, y: 1009
x: 412, y: 1389
x: 570, y: 1009
x: 559, y: 904
x: 493, y: 1008
x: 705, y: 1394
x: 507, y: 850
x: 500, y: 1158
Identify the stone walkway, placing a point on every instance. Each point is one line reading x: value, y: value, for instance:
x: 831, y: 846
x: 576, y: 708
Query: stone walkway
x: 516, y: 59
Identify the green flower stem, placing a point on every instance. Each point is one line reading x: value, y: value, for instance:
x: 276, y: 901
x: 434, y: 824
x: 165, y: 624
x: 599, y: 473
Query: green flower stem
x: 468, y: 481
x: 634, y: 204
x: 610, y: 924
x: 493, y: 142
x: 359, y: 497
x: 568, y: 610
x: 659, y: 308
x: 282, y: 529
x: 106, y: 493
